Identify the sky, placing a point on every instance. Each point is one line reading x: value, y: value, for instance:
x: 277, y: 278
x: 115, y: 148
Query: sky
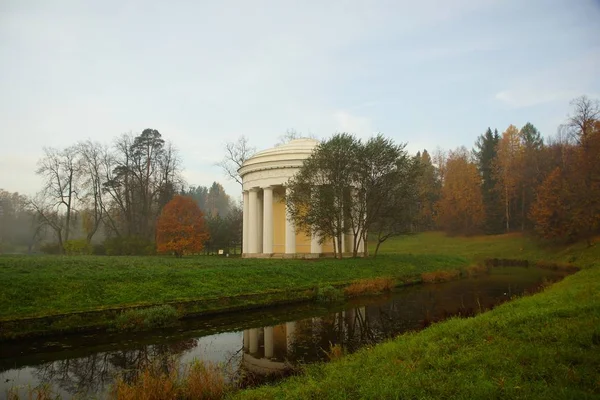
x: 429, y: 73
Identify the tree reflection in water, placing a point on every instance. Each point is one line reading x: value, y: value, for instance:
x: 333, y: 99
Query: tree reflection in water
x: 95, y: 373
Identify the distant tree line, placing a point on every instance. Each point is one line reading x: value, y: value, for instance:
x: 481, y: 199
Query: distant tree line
x: 517, y: 182
x: 106, y: 199
x: 509, y: 182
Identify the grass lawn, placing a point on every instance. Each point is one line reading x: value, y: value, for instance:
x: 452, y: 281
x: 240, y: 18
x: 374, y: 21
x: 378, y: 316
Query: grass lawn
x: 36, y: 286
x: 545, y: 346
x: 477, y: 248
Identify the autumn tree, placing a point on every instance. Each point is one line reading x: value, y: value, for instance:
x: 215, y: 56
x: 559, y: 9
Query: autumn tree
x: 506, y: 170
x: 142, y: 176
x: 180, y: 227
x: 550, y: 212
x: 460, y: 209
x: 567, y: 204
x: 530, y: 175
x: 428, y: 186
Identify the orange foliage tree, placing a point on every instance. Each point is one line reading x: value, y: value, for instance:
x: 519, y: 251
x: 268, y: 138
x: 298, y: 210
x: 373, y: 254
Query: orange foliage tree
x: 180, y: 228
x: 460, y: 209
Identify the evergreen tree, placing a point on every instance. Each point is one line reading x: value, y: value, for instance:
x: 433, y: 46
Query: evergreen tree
x: 486, y: 148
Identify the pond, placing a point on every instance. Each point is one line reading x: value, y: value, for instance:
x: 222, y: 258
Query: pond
x: 260, y: 344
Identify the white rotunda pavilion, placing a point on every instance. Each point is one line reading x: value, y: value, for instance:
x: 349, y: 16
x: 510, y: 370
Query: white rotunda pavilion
x: 267, y: 232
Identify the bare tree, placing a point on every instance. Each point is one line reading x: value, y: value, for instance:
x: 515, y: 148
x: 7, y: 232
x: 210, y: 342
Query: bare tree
x: 585, y: 113
x: 91, y: 158
x: 235, y: 154
x: 292, y: 134
x: 60, y: 170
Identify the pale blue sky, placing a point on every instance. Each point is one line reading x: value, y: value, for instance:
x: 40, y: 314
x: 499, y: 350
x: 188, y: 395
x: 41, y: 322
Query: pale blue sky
x: 428, y: 72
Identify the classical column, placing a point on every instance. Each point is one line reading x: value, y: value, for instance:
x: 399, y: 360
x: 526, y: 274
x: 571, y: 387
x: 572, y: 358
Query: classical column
x: 252, y: 221
x: 246, y: 339
x: 269, y: 342
x: 315, y: 246
x: 245, y: 222
x: 290, y: 332
x: 268, y: 220
x: 290, y: 231
x: 253, y: 339
x: 259, y: 223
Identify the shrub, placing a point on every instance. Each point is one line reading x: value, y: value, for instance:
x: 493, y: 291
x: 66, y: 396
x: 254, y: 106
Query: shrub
x: 77, y: 247
x: 336, y: 351
x: 50, y: 248
x: 370, y: 286
x: 440, y: 276
x: 146, y: 318
x: 202, y: 381
x: 129, y: 246
x: 99, y: 250
x: 328, y: 294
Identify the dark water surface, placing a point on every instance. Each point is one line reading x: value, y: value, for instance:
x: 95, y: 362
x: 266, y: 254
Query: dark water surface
x: 255, y: 343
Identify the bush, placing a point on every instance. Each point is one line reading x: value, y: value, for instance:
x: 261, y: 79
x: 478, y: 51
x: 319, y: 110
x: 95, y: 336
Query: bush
x: 200, y: 381
x: 50, y: 248
x: 99, y: 250
x: 129, y: 246
x: 77, y: 247
x: 146, y: 318
x: 370, y: 286
x: 328, y: 294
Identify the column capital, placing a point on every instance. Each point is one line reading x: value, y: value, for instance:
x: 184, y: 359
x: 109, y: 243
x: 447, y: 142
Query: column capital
x: 254, y: 189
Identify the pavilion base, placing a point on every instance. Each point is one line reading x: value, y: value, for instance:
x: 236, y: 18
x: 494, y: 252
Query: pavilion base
x: 302, y: 256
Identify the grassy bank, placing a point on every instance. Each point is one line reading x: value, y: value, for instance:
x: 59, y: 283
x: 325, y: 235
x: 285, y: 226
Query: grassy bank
x: 478, y: 248
x: 43, y: 294
x: 544, y: 346
x: 54, y: 294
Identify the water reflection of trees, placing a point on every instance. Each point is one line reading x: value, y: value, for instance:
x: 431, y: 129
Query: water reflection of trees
x: 96, y: 372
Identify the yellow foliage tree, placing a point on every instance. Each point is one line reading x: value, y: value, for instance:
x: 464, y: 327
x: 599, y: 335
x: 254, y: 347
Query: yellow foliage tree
x: 460, y: 209
x: 507, y: 169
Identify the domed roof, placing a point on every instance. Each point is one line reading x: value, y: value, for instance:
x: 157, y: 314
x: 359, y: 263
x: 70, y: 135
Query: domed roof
x: 290, y: 155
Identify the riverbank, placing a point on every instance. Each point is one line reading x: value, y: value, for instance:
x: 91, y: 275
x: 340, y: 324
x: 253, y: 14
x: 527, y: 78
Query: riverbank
x: 544, y: 346
x: 60, y: 294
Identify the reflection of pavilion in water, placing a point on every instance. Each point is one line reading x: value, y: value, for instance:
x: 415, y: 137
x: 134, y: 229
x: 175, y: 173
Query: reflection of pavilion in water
x: 275, y: 349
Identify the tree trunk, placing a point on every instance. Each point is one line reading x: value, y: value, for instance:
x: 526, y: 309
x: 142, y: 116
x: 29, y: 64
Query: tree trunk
x: 523, y: 210
x: 506, y: 209
x: 377, y: 248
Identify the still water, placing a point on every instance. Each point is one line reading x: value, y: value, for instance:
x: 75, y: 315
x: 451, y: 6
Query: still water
x: 259, y: 344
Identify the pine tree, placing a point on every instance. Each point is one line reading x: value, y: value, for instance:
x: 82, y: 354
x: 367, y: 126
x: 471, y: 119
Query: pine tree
x: 485, y: 151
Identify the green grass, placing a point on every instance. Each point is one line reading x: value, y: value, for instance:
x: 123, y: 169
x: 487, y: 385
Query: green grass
x: 477, y: 248
x: 37, y: 286
x: 545, y: 346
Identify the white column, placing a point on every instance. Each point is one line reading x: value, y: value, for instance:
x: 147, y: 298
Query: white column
x: 290, y: 231
x: 268, y: 220
x: 246, y: 339
x: 315, y: 246
x: 290, y: 332
x: 253, y: 338
x: 269, y: 342
x: 245, y: 222
x: 252, y: 222
x: 259, y: 223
